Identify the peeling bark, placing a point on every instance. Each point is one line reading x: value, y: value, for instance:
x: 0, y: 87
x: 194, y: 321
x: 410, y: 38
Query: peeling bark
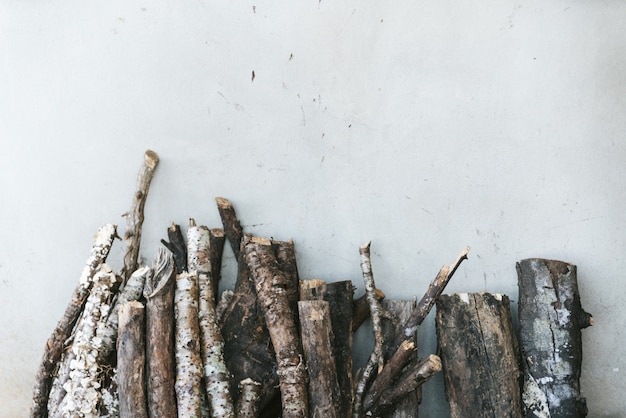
x: 551, y: 319
x: 131, y: 356
x: 57, y: 343
x: 83, y: 386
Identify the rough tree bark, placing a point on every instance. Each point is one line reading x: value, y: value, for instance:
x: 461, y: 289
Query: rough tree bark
x: 134, y: 218
x: 551, y: 318
x: 57, y: 343
x: 160, y: 367
x: 131, y: 356
x: 216, y: 375
x: 270, y: 284
x: 478, y: 349
x: 83, y: 386
x: 317, y: 336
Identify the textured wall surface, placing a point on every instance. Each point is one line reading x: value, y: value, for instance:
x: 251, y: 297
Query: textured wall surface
x: 422, y: 126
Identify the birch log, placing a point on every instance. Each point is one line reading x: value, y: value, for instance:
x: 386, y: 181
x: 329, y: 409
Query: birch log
x: 216, y: 375
x: 57, y: 343
x: 551, y: 319
x: 361, y: 309
x: 188, y: 384
x: 131, y: 356
x: 160, y: 365
x: 134, y: 218
x: 248, y: 405
x: 270, y: 285
x: 478, y: 349
x: 83, y: 386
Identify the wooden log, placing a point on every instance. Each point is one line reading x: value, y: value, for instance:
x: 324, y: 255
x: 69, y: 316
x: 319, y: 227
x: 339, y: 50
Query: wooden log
x: 316, y: 334
x: 339, y: 296
x: 270, y: 284
x: 551, y: 318
x: 58, y: 341
x: 135, y: 217
x: 248, y: 405
x: 83, y: 386
x: 410, y: 379
x: 188, y: 384
x: 399, y: 311
x: 131, y: 356
x: 216, y: 375
x: 232, y: 226
x: 160, y: 366
x: 478, y: 349
x: 216, y: 245
x: 376, y: 361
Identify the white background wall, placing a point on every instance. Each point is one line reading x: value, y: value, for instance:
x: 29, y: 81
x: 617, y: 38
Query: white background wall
x: 423, y: 126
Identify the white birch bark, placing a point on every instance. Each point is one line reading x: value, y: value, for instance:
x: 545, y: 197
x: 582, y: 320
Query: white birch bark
x: 82, y: 387
x: 188, y: 384
x: 216, y: 375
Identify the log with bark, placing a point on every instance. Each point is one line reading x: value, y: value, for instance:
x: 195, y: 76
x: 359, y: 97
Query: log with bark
x: 270, y: 284
x: 160, y: 366
x: 551, y: 319
x: 131, y: 356
x: 478, y: 349
x: 60, y: 338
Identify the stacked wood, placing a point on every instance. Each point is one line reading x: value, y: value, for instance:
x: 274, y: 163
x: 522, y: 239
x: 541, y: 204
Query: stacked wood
x: 479, y: 353
x: 162, y: 341
x: 551, y: 318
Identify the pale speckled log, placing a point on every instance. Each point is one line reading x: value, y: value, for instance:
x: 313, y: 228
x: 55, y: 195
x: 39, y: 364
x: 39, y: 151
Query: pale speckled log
x: 551, y: 318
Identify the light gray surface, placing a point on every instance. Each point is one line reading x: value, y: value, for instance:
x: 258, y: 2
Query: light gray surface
x: 422, y: 126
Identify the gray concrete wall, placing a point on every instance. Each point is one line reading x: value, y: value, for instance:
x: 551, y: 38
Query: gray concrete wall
x: 421, y: 126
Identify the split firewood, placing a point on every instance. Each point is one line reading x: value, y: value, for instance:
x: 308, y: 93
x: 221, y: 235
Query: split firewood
x: 401, y: 357
x: 216, y: 244
x: 317, y: 347
x: 412, y: 378
x: 376, y: 361
x: 58, y: 341
x: 270, y: 284
x: 216, y: 375
x: 160, y: 367
x: 134, y: 218
x: 83, y: 386
x: 551, y: 318
x: 478, y: 349
x: 131, y: 356
x: 361, y: 309
x: 248, y: 405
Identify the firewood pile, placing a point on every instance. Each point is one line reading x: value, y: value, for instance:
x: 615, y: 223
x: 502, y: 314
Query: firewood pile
x: 159, y: 341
